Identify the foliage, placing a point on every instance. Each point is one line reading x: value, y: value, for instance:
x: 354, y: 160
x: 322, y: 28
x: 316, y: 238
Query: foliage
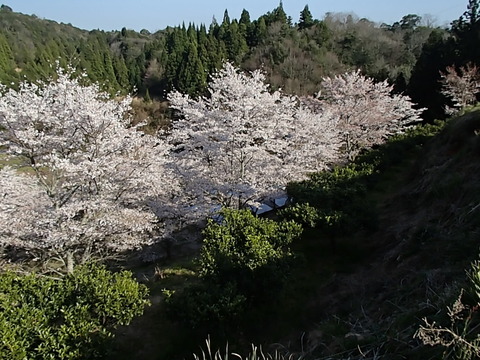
x: 465, y: 35
x: 333, y: 200
x: 93, y: 176
x: 390, y: 56
x: 182, y: 57
x: 425, y: 87
x: 225, y: 141
x: 306, y: 19
x: 33, y: 45
x: 205, y: 304
x: 71, y: 318
x: 294, y: 60
x: 336, y: 201
x: 244, y: 260
x: 242, y: 245
x: 443, y: 52
x: 302, y: 213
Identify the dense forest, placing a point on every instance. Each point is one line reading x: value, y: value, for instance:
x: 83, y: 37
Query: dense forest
x: 301, y: 189
x: 294, y: 55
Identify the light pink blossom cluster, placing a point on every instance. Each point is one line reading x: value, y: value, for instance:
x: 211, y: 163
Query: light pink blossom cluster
x: 244, y: 143
x: 461, y: 86
x: 88, y: 175
x: 367, y: 112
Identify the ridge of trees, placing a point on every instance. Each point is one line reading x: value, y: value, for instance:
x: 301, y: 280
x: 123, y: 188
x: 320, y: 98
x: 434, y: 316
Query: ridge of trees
x: 409, y: 53
x: 295, y: 56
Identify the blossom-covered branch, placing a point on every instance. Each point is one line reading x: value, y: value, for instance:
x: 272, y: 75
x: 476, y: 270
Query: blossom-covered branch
x: 461, y: 86
x: 89, y: 175
x: 244, y: 143
x: 367, y: 112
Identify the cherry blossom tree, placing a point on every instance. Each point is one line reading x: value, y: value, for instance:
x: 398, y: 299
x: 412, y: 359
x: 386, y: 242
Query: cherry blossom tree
x: 367, y: 112
x: 89, y: 178
x: 461, y: 86
x: 244, y: 143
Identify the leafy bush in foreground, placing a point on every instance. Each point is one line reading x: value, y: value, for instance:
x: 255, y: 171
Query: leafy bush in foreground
x: 72, y: 318
x: 244, y: 260
x: 250, y: 251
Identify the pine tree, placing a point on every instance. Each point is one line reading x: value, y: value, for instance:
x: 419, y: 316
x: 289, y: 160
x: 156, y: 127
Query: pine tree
x: 235, y: 42
x: 217, y: 53
x: 192, y: 36
x: 192, y: 77
x: 259, y: 32
x: 469, y: 17
x: 277, y: 15
x: 245, y: 18
x: 176, y: 46
x: 109, y: 72
x: 226, y: 18
x: 466, y: 31
x: 306, y: 19
x: 202, y: 41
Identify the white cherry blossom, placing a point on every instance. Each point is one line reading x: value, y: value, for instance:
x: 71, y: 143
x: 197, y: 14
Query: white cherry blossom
x: 89, y: 177
x: 367, y: 111
x: 244, y: 143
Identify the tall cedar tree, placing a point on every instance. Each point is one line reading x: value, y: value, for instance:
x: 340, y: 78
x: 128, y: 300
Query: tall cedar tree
x: 306, y: 19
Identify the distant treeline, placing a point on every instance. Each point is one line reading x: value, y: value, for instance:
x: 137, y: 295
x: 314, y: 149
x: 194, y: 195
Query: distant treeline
x: 295, y: 55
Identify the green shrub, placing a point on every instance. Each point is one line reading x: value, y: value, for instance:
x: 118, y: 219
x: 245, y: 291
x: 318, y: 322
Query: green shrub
x: 249, y: 251
x: 334, y: 201
x: 309, y: 216
x: 206, y: 304
x: 71, y: 318
x: 244, y: 260
x: 399, y: 147
x: 331, y: 189
x: 301, y: 213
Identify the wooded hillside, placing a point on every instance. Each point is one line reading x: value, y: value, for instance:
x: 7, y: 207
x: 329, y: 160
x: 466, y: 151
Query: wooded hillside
x: 294, y: 53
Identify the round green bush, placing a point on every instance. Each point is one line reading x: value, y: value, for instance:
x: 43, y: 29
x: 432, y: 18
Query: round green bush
x: 71, y: 318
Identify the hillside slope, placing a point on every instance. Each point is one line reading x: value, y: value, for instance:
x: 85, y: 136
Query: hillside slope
x: 414, y: 265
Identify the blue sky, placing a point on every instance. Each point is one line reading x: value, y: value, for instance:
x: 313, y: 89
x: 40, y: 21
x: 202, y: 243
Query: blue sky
x: 156, y: 14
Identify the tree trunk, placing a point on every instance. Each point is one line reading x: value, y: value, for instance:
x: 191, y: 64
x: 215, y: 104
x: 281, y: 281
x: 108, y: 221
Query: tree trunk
x: 70, y: 262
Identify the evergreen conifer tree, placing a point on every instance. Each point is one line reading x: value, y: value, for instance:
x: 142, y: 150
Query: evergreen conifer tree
x: 306, y: 19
